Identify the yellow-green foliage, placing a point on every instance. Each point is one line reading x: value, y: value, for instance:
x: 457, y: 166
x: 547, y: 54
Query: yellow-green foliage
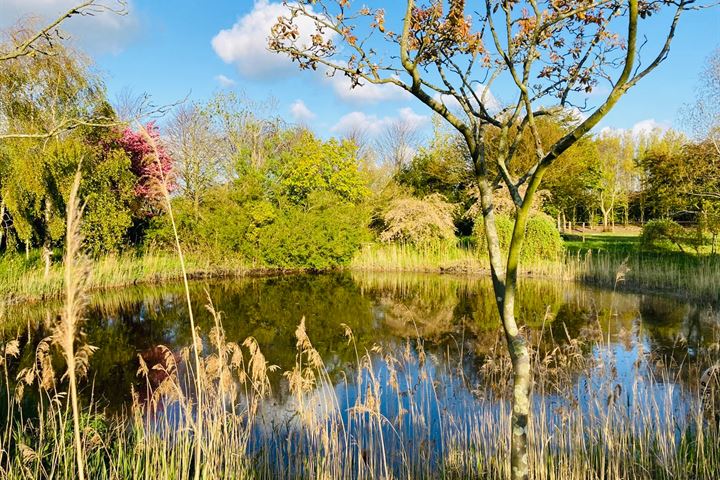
x: 312, y: 165
x: 419, y: 221
x: 665, y: 232
x: 542, y: 239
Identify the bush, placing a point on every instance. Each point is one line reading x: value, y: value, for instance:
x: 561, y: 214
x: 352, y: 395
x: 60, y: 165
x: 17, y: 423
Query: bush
x: 419, y: 221
x: 324, y: 235
x: 664, y: 233
x: 542, y: 239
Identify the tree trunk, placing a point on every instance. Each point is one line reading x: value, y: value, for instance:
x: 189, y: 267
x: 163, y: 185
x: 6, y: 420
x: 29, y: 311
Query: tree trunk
x: 2, y: 221
x: 605, y: 219
x: 504, y: 283
x: 517, y: 345
x: 627, y: 215
x: 27, y: 249
x: 642, y: 209
x: 47, y: 256
x: 46, y: 250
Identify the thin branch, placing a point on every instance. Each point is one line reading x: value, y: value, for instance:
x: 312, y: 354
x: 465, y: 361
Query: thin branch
x: 28, y: 47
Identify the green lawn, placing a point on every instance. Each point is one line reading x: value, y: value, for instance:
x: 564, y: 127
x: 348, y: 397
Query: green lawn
x: 620, y: 243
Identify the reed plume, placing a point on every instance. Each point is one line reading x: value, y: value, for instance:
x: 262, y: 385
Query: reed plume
x: 162, y: 185
x: 66, y: 330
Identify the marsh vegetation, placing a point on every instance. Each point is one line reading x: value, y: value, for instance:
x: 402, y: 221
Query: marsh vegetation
x: 366, y: 375
x: 437, y: 308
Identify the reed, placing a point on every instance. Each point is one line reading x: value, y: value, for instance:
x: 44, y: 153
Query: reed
x: 400, y: 412
x: 684, y: 276
x: 24, y: 280
x: 431, y: 257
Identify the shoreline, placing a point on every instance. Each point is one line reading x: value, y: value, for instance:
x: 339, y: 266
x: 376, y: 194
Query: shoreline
x: 566, y: 270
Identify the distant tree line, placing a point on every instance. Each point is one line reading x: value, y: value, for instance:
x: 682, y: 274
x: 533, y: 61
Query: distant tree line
x: 246, y: 183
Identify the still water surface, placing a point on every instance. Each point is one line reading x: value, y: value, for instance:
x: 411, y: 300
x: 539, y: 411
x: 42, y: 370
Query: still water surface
x: 454, y: 318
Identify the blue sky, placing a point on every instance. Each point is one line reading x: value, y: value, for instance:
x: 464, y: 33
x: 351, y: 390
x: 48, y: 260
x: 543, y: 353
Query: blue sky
x: 166, y: 48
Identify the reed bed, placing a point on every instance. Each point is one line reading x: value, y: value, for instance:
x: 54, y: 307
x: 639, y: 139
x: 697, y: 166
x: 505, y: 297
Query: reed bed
x: 24, y: 280
x: 410, y: 258
x: 685, y: 276
x: 399, y: 412
x: 688, y: 277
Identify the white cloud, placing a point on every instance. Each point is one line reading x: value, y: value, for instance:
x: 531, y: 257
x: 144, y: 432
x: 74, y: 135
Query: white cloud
x: 645, y: 127
x: 640, y: 129
x: 374, y: 125
x: 300, y: 112
x: 224, y: 81
x: 483, y: 93
x: 415, y: 120
x: 101, y: 32
x: 365, y: 93
x: 245, y: 44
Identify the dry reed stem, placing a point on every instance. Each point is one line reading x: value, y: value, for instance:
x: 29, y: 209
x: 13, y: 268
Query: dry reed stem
x: 66, y: 331
x: 163, y: 186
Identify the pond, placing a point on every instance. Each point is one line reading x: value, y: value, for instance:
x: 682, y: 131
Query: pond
x: 423, y: 347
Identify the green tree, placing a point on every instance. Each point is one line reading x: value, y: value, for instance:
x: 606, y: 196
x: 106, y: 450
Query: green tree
x: 573, y: 183
x: 616, y: 152
x: 56, y: 118
x: 441, y: 167
x: 439, y: 54
x: 312, y: 165
x: 660, y: 157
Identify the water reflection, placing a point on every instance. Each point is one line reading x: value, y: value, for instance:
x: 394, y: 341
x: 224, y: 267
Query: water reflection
x: 454, y: 317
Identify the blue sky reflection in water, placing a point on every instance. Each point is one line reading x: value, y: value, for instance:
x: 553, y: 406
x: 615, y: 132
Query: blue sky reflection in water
x: 433, y: 372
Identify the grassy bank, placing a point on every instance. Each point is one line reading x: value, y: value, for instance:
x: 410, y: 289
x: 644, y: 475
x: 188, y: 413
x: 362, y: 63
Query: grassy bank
x: 24, y: 279
x: 595, y: 259
x: 602, y: 259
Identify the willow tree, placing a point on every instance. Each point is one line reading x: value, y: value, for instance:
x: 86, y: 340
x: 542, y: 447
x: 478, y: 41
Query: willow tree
x: 44, y: 40
x: 543, y: 55
x: 45, y: 101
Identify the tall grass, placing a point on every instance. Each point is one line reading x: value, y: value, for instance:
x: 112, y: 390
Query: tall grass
x: 23, y: 280
x: 66, y: 330
x: 400, y: 412
x: 685, y: 276
x: 432, y: 257
x: 690, y: 277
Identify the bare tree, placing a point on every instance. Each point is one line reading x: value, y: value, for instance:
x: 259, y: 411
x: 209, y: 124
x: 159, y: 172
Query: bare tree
x: 43, y: 41
x: 195, y: 145
x: 703, y: 115
x: 249, y: 130
x: 397, y: 144
x: 550, y: 53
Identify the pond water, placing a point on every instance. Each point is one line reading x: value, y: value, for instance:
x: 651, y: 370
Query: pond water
x: 445, y: 328
x: 453, y: 316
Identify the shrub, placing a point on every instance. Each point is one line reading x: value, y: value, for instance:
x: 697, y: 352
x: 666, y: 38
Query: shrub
x: 324, y: 235
x: 419, y: 221
x: 665, y: 232
x: 542, y: 239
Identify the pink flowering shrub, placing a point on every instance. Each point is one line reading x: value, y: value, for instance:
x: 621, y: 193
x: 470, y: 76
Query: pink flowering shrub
x: 151, y: 171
